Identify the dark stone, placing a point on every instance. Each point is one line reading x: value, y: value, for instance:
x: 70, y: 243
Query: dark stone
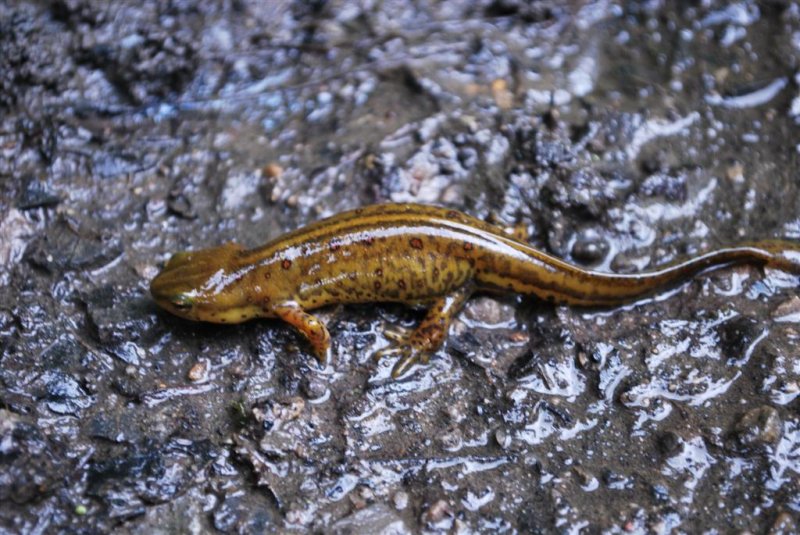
x: 737, y: 334
x: 36, y: 195
x: 156, y: 64
x: 62, y: 393
x: 32, y: 466
x: 147, y: 473
x: 119, y: 318
x: 181, y: 205
x: 64, y: 354
x: 669, y: 443
x: 67, y: 246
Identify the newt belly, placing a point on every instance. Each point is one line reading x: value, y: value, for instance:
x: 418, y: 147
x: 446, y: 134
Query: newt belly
x: 406, y: 253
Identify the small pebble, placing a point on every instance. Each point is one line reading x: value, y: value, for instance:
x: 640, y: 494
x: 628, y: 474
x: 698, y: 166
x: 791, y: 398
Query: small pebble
x: 611, y: 478
x: 272, y: 171
x: 660, y: 493
x: 584, y: 477
x: 198, y: 371
x: 366, y: 493
x: 589, y: 247
x: 759, y: 426
x: 291, y: 410
x: 735, y: 172
x: 501, y: 94
x: 357, y: 501
x: 437, y: 512
x: 452, y: 441
x: 400, y: 500
x: 503, y: 438
x: 314, y: 387
x: 454, y: 413
x: 488, y: 310
x: 298, y: 517
x: 788, y: 310
x: 784, y: 525
x: 519, y: 336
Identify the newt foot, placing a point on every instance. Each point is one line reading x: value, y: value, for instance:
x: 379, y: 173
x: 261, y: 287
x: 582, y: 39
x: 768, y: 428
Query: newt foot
x: 408, y: 354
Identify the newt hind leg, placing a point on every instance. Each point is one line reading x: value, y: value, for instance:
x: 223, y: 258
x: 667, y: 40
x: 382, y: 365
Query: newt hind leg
x: 417, y: 346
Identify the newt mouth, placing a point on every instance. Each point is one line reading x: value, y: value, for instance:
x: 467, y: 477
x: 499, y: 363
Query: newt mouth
x: 181, y: 302
x: 169, y: 290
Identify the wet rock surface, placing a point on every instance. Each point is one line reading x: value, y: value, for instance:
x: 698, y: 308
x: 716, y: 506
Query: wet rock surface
x: 620, y: 136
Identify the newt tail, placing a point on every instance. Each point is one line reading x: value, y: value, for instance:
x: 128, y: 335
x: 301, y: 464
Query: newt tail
x: 580, y: 287
x: 413, y: 254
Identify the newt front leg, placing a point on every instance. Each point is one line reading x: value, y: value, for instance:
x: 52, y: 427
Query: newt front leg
x: 309, y: 326
x: 428, y: 337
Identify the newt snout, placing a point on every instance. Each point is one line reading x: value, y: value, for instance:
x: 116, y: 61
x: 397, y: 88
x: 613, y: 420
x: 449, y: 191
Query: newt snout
x: 204, y: 286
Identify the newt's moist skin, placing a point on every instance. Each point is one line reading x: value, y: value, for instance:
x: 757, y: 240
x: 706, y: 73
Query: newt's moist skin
x: 407, y: 253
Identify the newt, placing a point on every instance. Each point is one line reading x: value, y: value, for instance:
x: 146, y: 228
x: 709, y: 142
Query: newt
x: 413, y: 254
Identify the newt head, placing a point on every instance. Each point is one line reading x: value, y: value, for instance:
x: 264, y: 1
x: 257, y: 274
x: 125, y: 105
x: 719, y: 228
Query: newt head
x: 205, y: 285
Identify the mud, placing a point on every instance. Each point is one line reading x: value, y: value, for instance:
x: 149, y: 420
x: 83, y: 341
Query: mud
x: 622, y: 135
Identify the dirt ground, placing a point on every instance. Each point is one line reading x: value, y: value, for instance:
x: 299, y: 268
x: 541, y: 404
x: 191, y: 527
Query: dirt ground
x: 623, y: 135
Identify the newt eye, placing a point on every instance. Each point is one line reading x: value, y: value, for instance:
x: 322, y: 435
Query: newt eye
x: 178, y: 259
x: 182, y: 302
